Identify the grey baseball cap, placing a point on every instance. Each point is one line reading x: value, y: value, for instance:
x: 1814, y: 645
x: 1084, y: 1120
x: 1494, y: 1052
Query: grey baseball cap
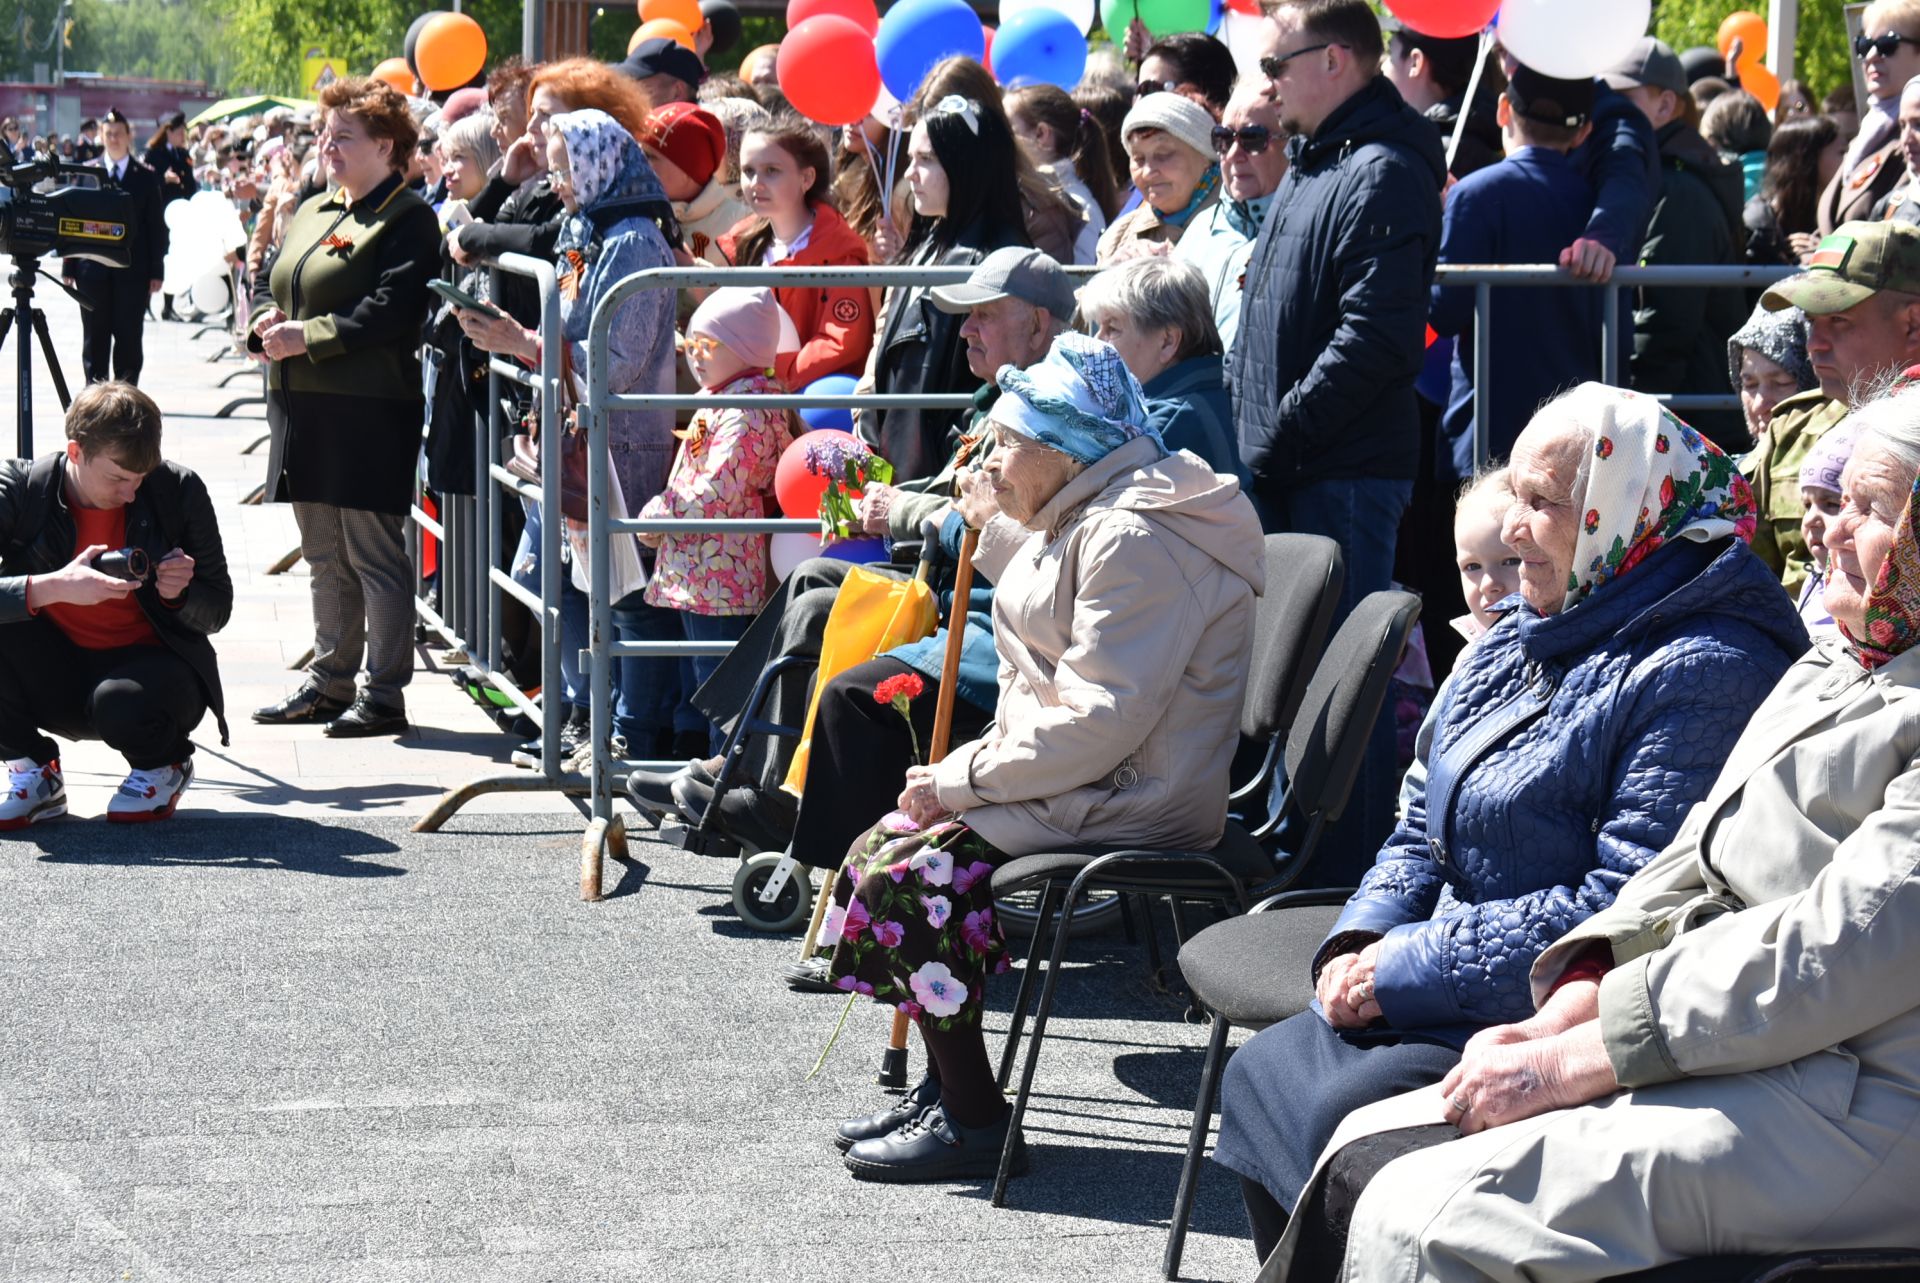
x: 1026, y: 274
x: 1652, y: 62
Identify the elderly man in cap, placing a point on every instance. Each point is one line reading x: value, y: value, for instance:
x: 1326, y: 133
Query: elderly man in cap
x: 667, y: 70
x: 1015, y: 301
x: 1861, y: 294
x: 1680, y: 333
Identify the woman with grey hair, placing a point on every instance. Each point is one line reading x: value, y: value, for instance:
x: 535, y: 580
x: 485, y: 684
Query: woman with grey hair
x: 467, y: 151
x: 1156, y: 315
x: 1767, y: 362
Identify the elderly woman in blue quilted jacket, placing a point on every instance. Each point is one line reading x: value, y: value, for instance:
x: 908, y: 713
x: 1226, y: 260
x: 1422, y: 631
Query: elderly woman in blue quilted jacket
x: 1568, y: 749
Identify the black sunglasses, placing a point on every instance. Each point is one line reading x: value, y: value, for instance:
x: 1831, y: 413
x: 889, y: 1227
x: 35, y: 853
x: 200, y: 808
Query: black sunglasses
x: 1273, y: 67
x: 1146, y: 87
x: 1253, y: 139
x: 1888, y: 44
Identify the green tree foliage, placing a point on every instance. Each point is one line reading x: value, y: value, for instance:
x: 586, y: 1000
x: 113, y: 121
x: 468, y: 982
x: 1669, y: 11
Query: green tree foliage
x: 1822, y: 60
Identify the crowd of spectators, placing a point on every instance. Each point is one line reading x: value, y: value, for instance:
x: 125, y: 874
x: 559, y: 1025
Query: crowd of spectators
x: 1664, y: 787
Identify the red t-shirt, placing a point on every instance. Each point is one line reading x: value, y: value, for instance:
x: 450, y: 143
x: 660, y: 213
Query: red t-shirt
x: 109, y: 624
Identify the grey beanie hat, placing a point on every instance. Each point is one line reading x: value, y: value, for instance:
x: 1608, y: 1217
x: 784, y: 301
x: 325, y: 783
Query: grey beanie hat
x: 1781, y: 337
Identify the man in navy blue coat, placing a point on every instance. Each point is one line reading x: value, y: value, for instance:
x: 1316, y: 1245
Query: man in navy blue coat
x: 1525, y: 209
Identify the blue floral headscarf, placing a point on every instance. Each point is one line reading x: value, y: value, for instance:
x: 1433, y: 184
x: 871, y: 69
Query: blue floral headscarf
x: 611, y: 176
x: 1081, y: 400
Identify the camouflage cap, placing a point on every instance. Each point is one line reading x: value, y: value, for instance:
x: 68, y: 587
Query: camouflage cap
x: 1852, y: 265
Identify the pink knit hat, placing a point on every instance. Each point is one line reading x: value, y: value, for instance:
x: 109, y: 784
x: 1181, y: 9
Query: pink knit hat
x: 746, y: 320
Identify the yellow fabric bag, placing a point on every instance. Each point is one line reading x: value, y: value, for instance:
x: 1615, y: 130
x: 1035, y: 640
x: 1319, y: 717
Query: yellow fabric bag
x: 873, y: 614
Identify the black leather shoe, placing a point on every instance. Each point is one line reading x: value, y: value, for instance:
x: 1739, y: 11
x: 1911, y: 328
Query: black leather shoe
x: 903, y: 1111
x: 752, y: 819
x: 933, y: 1149
x: 815, y: 975
x: 652, y: 791
x: 367, y: 718
x: 308, y: 704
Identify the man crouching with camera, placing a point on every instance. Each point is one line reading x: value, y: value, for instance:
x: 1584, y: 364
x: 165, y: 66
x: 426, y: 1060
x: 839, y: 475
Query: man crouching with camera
x: 112, y: 578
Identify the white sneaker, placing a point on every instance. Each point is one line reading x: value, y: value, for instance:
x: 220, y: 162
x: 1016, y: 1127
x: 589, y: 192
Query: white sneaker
x: 150, y: 794
x: 34, y: 793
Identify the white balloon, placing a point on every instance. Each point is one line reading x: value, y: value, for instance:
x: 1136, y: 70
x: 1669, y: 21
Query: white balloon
x: 1082, y: 12
x: 788, y: 550
x: 1241, y: 32
x: 210, y: 294
x: 1570, y: 39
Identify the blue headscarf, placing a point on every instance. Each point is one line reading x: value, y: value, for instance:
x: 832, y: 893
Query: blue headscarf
x: 1081, y: 400
x: 611, y: 177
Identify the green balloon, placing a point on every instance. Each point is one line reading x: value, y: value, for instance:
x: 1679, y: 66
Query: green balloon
x: 1162, y: 17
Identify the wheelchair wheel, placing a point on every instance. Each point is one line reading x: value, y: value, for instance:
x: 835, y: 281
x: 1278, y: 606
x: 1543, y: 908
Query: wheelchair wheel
x: 1020, y: 913
x: 789, y: 910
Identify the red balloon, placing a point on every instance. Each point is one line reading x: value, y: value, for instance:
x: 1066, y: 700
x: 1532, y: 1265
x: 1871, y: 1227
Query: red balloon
x: 827, y: 70
x: 986, y: 55
x: 1445, y: 19
x: 801, y: 478
x: 861, y: 13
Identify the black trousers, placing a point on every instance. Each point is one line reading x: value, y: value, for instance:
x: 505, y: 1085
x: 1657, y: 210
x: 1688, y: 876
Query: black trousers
x: 111, y: 331
x: 142, y: 700
x: 858, y: 763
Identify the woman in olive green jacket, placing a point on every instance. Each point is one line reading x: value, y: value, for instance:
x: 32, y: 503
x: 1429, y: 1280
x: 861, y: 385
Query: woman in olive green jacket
x: 342, y: 328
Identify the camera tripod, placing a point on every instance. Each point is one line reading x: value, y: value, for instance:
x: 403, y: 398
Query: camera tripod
x: 28, y: 321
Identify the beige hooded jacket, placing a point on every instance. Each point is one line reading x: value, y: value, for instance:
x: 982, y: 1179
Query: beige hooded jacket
x: 1123, y: 616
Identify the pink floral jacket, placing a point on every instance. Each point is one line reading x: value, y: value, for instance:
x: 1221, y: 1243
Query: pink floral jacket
x: 724, y: 469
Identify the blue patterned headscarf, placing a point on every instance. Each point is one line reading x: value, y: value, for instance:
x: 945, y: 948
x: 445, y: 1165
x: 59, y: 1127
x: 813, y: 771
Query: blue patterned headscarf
x: 1081, y: 400
x: 611, y: 176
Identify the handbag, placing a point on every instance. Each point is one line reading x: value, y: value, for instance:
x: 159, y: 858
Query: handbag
x: 524, y: 461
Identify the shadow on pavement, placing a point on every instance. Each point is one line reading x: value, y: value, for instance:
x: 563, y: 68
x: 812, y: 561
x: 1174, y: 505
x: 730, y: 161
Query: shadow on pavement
x: 284, y: 843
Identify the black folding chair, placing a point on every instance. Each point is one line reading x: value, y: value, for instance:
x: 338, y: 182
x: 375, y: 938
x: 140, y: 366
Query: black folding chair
x: 1325, y: 743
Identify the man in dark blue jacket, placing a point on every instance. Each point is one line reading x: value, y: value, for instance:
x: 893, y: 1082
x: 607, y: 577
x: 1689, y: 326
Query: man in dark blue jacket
x: 1333, y: 322
x: 1525, y: 209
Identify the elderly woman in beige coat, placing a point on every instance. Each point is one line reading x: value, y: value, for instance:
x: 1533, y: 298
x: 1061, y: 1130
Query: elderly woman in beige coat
x: 1124, y: 580
x: 1728, y: 1059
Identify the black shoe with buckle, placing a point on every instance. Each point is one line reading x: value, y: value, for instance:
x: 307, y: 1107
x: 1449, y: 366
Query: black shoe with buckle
x: 367, y: 718
x: 925, y: 1094
x: 308, y: 704
x: 933, y: 1149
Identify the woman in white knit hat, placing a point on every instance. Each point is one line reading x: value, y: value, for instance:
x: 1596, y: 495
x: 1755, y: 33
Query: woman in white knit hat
x: 1169, y: 141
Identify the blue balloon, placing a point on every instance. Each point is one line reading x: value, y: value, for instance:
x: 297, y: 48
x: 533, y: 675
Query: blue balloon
x: 831, y: 385
x: 916, y: 34
x: 861, y: 552
x: 1039, y: 47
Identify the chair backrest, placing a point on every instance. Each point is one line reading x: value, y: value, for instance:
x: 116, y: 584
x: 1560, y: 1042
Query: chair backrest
x: 1290, y: 624
x: 1344, y: 698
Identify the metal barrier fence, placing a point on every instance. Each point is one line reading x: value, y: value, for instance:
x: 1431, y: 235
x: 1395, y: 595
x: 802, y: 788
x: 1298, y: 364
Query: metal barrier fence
x: 472, y: 585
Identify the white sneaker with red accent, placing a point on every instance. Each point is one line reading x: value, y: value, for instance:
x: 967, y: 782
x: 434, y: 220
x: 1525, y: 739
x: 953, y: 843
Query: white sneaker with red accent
x: 150, y: 794
x: 34, y: 793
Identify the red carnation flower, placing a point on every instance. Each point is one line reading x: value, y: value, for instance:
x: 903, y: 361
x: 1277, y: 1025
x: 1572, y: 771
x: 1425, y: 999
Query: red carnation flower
x: 899, y: 686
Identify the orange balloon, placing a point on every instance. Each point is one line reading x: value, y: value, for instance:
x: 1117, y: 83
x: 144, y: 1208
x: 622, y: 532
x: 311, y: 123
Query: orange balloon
x: 394, y: 71
x: 451, y: 51
x: 666, y: 27
x: 685, y: 12
x: 1747, y: 27
x: 1761, y: 83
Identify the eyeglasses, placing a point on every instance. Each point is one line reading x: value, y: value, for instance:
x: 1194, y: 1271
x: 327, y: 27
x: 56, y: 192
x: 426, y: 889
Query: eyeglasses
x: 701, y: 346
x: 1274, y: 67
x: 1887, y: 45
x: 1146, y: 87
x: 1253, y: 139
x: 557, y: 176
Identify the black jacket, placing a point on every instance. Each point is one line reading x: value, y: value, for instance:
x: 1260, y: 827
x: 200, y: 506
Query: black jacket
x: 1680, y: 333
x: 165, y: 158
x: 1334, y: 317
x: 148, y: 232
x: 1481, y: 145
x: 170, y: 510
x: 515, y: 220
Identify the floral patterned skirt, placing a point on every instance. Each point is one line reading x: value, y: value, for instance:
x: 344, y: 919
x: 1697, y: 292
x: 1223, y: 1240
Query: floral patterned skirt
x: 912, y: 921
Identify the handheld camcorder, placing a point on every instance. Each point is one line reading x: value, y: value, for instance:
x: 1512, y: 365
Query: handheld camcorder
x: 73, y: 221
x: 130, y: 564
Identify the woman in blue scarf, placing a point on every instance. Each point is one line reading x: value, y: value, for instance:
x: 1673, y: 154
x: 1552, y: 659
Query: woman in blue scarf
x: 619, y: 222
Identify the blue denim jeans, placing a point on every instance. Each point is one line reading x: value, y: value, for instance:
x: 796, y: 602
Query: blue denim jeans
x: 1363, y: 516
x: 646, y: 691
x: 695, y: 669
x: 525, y: 569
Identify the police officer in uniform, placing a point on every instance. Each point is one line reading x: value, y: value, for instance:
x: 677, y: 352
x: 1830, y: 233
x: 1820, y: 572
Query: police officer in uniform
x: 111, y: 328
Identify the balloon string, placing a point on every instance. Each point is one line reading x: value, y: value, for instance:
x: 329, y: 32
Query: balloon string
x: 1473, y: 90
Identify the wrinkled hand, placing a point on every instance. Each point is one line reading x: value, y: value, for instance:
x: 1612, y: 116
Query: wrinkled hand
x: 77, y: 583
x: 521, y: 162
x: 873, y: 506
x: 497, y: 333
x: 1499, y: 1083
x: 461, y: 254
x: 1588, y: 260
x: 919, y: 801
x: 1332, y: 989
x: 976, y: 504
x: 1360, y: 998
x: 172, y: 574
x: 287, y: 339
x: 266, y: 320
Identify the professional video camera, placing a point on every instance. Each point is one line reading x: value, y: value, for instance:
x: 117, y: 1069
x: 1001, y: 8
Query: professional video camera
x: 73, y: 221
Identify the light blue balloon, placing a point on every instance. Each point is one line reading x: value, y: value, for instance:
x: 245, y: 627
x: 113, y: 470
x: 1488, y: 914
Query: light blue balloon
x: 915, y: 34
x: 1039, y: 47
x: 831, y: 385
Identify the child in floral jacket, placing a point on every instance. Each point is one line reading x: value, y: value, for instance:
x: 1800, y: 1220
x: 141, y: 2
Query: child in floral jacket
x: 724, y: 469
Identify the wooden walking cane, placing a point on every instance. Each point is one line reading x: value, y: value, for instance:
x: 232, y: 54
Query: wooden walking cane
x: 893, y: 1066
